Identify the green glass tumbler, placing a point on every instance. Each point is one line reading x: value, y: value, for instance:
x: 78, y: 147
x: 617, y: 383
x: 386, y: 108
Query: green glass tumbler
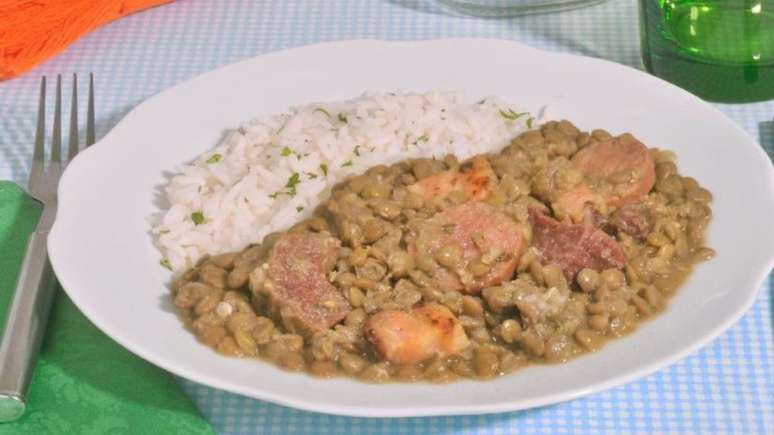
x: 720, y: 50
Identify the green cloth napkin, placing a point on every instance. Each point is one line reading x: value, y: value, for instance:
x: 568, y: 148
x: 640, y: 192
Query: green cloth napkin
x: 84, y: 383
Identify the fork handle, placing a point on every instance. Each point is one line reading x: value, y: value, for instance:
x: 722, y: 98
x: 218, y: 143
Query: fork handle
x: 25, y: 326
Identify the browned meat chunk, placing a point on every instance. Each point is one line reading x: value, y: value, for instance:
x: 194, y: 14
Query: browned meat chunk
x: 297, y: 285
x: 411, y: 337
x: 574, y: 246
x: 476, y: 179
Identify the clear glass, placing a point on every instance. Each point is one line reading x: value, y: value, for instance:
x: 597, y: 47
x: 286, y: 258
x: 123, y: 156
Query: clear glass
x: 721, y: 50
x: 511, y: 8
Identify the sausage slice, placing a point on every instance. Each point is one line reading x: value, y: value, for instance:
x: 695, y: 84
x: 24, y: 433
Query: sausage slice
x: 620, y: 169
x: 297, y: 285
x: 483, y: 234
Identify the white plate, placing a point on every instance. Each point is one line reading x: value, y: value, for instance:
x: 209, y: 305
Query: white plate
x: 102, y: 252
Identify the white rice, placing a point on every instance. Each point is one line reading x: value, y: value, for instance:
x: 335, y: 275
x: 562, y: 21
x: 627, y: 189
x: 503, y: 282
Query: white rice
x: 240, y: 189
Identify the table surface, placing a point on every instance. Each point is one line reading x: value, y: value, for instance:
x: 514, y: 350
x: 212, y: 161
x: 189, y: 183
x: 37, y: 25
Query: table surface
x: 727, y: 387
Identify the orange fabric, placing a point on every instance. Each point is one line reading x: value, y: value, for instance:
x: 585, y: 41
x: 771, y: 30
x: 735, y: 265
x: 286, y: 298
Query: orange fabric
x: 32, y: 31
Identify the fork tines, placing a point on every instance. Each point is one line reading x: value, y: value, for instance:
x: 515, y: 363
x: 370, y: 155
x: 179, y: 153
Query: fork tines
x: 55, y: 164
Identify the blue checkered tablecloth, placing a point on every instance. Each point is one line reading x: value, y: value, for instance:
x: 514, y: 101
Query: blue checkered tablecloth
x: 727, y: 387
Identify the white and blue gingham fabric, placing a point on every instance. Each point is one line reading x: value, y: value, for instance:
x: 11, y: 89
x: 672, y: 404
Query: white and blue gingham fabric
x: 727, y: 387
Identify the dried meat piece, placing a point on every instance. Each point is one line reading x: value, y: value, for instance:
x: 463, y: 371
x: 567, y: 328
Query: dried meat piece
x: 574, y: 246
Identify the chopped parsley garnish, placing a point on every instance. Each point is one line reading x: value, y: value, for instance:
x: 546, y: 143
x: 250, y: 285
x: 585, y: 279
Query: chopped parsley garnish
x: 511, y: 115
x: 423, y: 138
x: 286, y: 152
x: 311, y: 175
x: 165, y: 263
x: 215, y: 158
x: 356, y: 150
x: 197, y: 217
x: 299, y: 209
x: 342, y: 117
x: 481, y: 101
x: 293, y: 181
x: 290, y: 186
x: 347, y: 163
x: 323, y: 111
x: 530, y: 120
x: 324, y: 169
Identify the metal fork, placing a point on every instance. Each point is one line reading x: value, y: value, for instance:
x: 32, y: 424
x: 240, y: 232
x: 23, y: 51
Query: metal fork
x: 26, y: 321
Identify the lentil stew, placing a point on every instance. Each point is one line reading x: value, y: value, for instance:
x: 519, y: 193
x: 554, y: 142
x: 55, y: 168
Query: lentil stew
x: 437, y: 270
